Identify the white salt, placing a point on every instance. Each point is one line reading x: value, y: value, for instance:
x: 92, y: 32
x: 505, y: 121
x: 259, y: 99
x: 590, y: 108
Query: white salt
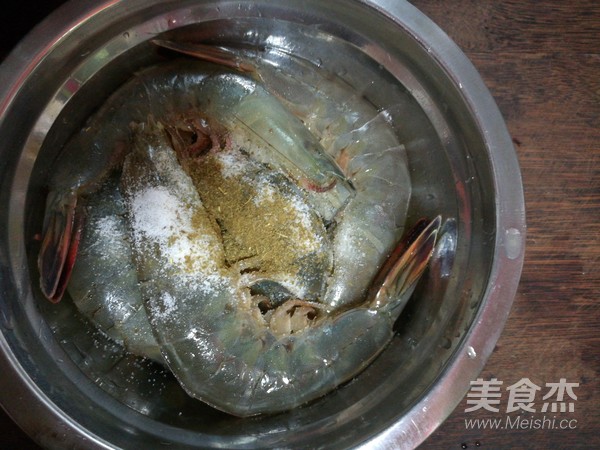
x: 168, y: 306
x: 156, y: 214
x: 233, y: 164
x: 109, y: 230
x: 159, y: 219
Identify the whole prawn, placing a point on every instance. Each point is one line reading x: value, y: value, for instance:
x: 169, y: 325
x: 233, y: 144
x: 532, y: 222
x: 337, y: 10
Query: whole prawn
x: 358, y: 137
x: 212, y: 334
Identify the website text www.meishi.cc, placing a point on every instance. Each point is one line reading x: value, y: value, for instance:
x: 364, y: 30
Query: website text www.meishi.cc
x: 522, y: 423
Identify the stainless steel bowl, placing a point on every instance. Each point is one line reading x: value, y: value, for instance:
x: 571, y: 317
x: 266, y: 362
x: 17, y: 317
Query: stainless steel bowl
x: 67, y: 387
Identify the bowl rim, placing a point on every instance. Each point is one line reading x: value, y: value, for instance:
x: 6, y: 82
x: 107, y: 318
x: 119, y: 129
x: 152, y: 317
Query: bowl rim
x: 479, y: 342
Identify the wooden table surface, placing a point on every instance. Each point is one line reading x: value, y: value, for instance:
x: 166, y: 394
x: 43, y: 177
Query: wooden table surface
x: 541, y: 62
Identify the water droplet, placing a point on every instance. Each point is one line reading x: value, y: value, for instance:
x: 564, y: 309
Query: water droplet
x: 512, y: 243
x: 463, y: 445
x: 126, y: 35
x: 471, y: 353
x: 445, y: 250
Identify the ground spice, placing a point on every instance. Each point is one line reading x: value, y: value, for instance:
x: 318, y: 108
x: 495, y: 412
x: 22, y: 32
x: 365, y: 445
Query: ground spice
x: 256, y: 220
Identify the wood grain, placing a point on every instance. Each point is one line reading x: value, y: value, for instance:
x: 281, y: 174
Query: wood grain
x: 541, y: 62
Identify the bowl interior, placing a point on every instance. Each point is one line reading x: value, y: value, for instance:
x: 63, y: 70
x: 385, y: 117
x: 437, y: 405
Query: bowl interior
x: 119, y: 398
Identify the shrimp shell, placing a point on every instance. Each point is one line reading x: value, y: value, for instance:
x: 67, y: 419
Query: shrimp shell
x: 104, y: 284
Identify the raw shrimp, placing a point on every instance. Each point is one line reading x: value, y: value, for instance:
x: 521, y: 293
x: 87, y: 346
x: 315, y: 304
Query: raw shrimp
x: 104, y: 284
x: 211, y: 331
x: 167, y: 92
x: 362, y: 141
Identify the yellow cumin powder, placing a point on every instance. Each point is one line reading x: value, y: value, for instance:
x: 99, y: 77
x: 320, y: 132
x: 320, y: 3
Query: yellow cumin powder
x: 267, y: 228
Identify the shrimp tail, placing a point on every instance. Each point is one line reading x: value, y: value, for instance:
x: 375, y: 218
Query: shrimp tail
x: 397, y: 279
x: 62, y: 233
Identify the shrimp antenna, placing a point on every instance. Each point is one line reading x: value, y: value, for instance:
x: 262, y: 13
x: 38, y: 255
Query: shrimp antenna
x: 211, y: 53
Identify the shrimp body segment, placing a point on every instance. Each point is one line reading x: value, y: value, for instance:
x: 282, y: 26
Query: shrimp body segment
x: 104, y: 283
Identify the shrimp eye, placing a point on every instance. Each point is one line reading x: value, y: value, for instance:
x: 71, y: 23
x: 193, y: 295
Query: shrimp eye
x: 265, y: 305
